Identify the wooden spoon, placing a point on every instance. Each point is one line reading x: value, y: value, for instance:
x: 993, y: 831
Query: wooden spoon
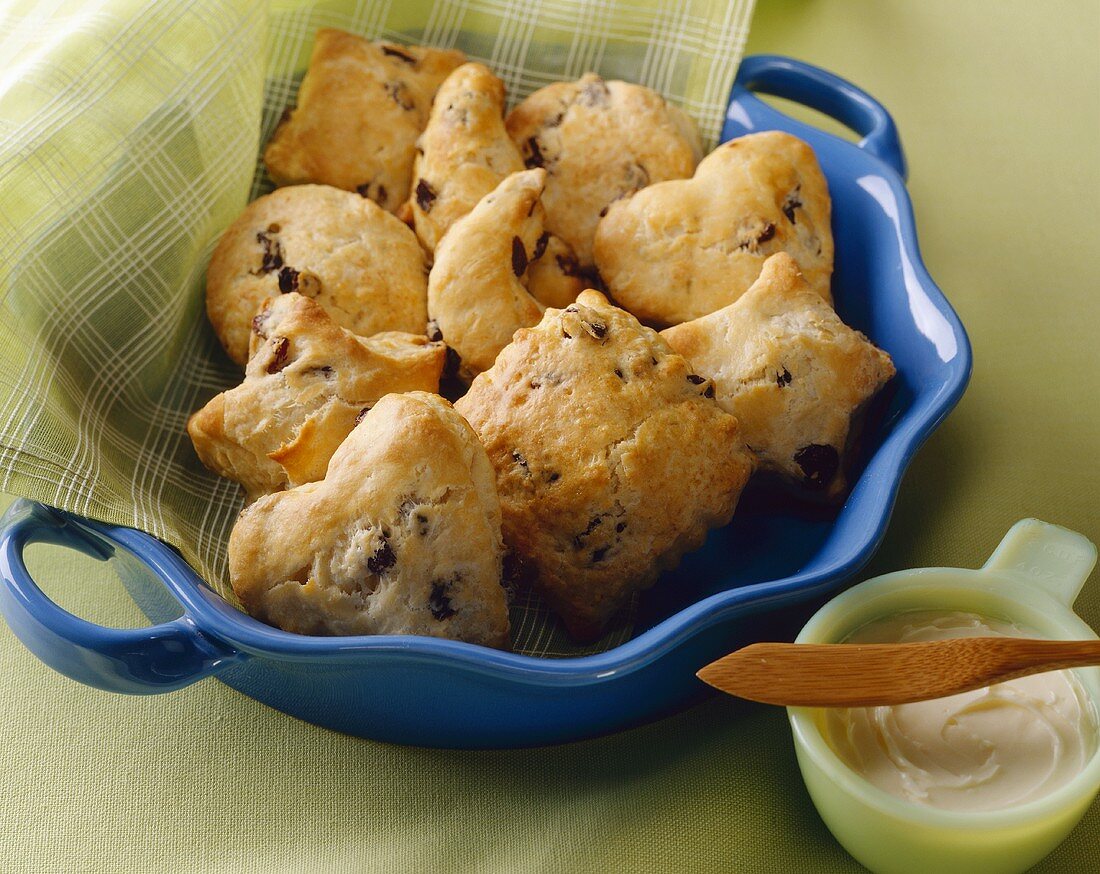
x: 874, y: 674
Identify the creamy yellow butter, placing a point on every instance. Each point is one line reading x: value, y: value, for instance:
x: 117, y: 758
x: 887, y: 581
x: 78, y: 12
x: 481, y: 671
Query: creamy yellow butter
x: 984, y: 750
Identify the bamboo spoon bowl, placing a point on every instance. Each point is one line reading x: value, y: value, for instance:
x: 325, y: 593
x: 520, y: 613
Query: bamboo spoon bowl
x: 876, y: 674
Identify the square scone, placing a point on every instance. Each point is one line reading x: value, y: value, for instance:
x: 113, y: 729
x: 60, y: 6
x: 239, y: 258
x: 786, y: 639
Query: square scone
x: 794, y: 375
x: 612, y: 457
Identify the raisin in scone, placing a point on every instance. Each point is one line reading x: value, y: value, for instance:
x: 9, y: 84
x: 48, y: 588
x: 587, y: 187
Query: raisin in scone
x: 477, y: 294
x: 790, y: 370
x: 361, y: 106
x: 679, y: 250
x: 363, y: 265
x: 402, y: 536
x: 612, y: 458
x: 599, y: 141
x: 306, y: 383
x: 463, y: 154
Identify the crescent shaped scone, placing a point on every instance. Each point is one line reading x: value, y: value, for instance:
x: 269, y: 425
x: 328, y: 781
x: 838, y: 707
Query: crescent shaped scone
x: 306, y: 383
x: 612, y: 458
x: 402, y: 536
x: 679, y: 250
x: 794, y: 375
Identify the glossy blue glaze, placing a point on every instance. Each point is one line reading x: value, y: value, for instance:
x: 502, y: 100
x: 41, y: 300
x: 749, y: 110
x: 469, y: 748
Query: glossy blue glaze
x: 432, y: 692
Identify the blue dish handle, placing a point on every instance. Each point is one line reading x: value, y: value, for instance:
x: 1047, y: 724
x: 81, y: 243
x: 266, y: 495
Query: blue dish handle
x: 821, y: 90
x: 159, y: 658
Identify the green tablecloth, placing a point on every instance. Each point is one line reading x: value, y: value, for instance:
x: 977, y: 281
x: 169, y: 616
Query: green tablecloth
x: 999, y: 108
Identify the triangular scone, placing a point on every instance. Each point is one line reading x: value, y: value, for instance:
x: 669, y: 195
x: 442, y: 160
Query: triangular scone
x: 790, y: 370
x: 363, y: 265
x: 361, y: 106
x: 463, y: 154
x: 612, y: 458
x: 679, y: 250
x: 306, y: 383
x: 402, y: 536
x: 477, y: 295
x: 599, y: 141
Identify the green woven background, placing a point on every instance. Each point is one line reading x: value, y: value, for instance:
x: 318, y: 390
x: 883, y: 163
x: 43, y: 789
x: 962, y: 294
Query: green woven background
x: 130, y: 139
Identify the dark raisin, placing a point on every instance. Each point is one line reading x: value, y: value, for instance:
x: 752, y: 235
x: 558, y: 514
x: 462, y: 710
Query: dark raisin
x: 535, y: 159
x: 359, y: 416
x: 421, y: 524
x: 540, y: 246
x: 596, y: 329
x: 568, y: 265
x: 593, y: 524
x: 280, y: 347
x: 434, y: 334
x: 620, y: 528
x: 272, y: 254
x: 288, y: 280
x: 400, y: 55
x: 439, y: 603
x: 819, y: 464
x: 766, y: 234
x: 694, y: 378
x: 554, y: 120
x: 519, y: 458
x: 653, y: 360
x: 425, y: 195
x: 399, y: 94
x: 791, y: 204
x: 599, y: 554
x: 784, y: 378
x: 519, y: 256
x: 324, y: 371
x: 619, y: 374
x: 603, y: 211
x: 553, y: 476
x: 572, y: 308
x: 709, y: 393
x: 383, y: 558
x: 259, y: 321
x: 363, y: 190
x: 566, y: 334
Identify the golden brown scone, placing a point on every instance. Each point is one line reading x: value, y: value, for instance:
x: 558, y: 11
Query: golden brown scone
x: 464, y: 152
x: 361, y: 106
x: 477, y: 295
x: 402, y: 536
x: 679, y: 250
x: 599, y: 141
x: 305, y: 385
x: 612, y: 458
x: 555, y: 278
x: 790, y: 370
x: 356, y: 260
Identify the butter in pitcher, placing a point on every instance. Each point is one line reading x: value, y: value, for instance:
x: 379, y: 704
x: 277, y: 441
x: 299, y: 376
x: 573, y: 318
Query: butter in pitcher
x: 992, y: 748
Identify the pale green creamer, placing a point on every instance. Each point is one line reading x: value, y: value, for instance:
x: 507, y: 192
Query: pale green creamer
x: 1031, y: 579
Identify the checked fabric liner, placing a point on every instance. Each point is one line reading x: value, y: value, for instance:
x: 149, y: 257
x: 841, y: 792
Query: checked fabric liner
x: 129, y: 139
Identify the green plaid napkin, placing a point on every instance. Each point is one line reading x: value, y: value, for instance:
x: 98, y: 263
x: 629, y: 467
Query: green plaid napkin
x: 129, y: 138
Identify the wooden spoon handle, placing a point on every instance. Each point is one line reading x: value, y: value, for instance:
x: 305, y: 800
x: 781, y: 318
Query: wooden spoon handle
x: 874, y: 674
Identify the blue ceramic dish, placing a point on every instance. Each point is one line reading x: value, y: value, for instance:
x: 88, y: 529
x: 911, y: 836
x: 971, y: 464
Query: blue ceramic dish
x: 430, y: 692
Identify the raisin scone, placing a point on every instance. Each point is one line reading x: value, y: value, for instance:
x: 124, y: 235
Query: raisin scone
x: 680, y: 250
x: 463, y: 154
x: 599, y: 141
x: 477, y: 294
x: 612, y: 458
x: 307, y: 382
x: 361, y: 106
x: 401, y: 537
x: 791, y: 371
x: 363, y: 265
